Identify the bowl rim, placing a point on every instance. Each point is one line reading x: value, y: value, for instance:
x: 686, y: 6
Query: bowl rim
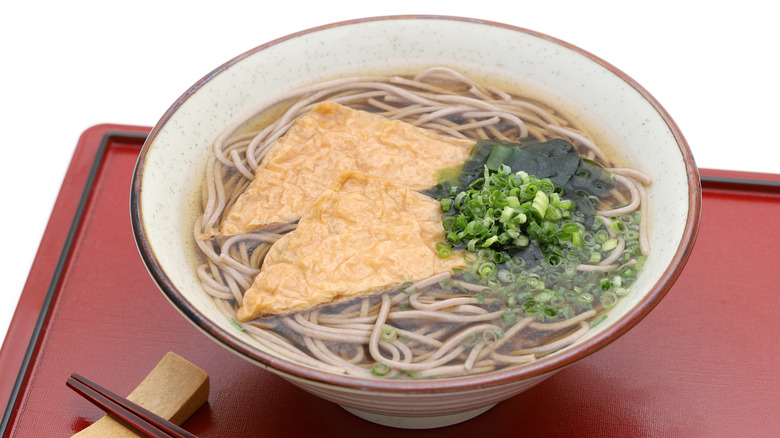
x: 504, y: 376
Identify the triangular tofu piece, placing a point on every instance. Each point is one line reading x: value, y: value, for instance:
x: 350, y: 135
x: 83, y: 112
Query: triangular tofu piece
x: 331, y: 139
x: 362, y: 234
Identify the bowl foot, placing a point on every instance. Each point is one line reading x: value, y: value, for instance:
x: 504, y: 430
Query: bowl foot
x: 418, y: 422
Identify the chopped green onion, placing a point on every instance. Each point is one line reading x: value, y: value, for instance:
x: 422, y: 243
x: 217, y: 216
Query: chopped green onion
x: 549, y: 313
x: 490, y: 336
x: 553, y: 213
x: 631, y: 235
x: 525, y: 296
x: 404, y: 288
x: 618, y: 225
x: 443, y: 250
x: 506, y: 276
x: 506, y: 214
x: 544, y: 296
x: 523, y: 240
x: 540, y: 203
x: 447, y: 283
x: 557, y: 301
x: 588, y: 239
x: 236, y: 324
x: 584, y: 299
x: 471, y: 340
x: 608, y: 299
x: 491, y: 240
x: 598, y: 321
x: 459, y: 200
x: 508, y: 319
x: 609, y: 244
x: 486, y: 269
x: 389, y: 333
x: 535, y: 283
x: 380, y: 369
x: 576, y: 239
x: 498, y: 257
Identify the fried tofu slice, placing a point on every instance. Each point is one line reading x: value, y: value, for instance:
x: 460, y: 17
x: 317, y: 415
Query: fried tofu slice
x: 362, y: 234
x: 331, y: 139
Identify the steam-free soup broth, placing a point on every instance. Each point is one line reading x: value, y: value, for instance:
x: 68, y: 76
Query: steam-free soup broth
x: 406, y: 227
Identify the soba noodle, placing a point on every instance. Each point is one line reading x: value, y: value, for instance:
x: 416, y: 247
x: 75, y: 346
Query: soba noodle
x: 436, y: 331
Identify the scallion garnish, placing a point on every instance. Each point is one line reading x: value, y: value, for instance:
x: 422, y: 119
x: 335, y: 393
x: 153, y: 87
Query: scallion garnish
x: 443, y: 250
x: 608, y: 299
x: 236, y: 324
x: 598, y: 320
x: 389, y: 333
x: 471, y: 340
x: 405, y: 288
x: 525, y: 230
x: 380, y: 369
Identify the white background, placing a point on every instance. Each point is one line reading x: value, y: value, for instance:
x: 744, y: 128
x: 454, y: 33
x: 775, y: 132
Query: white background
x: 68, y: 65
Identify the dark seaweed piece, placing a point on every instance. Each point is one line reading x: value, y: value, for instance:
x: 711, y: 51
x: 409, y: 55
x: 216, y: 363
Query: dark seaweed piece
x: 586, y: 185
x: 582, y: 180
x: 556, y: 160
x: 461, y: 177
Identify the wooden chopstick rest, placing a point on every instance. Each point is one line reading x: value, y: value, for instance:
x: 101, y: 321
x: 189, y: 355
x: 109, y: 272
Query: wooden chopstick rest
x: 174, y: 390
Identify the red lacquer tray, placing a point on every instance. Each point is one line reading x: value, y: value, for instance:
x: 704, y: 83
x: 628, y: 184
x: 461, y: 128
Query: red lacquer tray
x: 705, y: 362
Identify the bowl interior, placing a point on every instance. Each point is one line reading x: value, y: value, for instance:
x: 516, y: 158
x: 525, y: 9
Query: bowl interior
x: 166, y: 195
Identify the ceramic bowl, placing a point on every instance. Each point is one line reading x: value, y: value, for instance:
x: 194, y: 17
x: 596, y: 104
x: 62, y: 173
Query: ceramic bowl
x: 166, y: 194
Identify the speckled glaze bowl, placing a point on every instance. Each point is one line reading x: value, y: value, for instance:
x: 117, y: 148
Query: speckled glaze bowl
x: 165, y: 191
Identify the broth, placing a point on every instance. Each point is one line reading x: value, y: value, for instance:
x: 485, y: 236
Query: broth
x: 510, y: 305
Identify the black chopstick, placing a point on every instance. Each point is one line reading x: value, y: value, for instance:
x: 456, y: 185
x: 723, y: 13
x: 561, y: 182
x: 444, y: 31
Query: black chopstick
x: 128, y: 413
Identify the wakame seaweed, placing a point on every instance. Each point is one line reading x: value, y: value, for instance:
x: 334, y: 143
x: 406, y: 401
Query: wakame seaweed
x: 583, y: 181
x: 525, y: 216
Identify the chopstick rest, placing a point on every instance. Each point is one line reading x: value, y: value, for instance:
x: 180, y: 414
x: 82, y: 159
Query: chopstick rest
x: 135, y: 417
x: 173, y: 390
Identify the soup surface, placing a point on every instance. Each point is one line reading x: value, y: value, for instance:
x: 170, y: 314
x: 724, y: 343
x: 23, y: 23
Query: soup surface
x: 417, y: 227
